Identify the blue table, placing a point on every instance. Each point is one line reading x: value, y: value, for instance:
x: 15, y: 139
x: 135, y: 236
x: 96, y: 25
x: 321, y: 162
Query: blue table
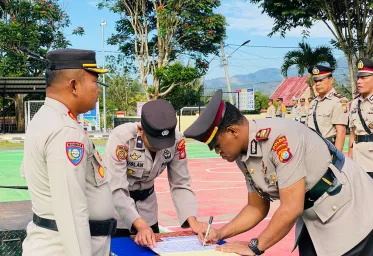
x: 125, y: 246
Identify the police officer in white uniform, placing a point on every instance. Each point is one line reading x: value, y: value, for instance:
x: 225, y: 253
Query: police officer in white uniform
x: 69, y: 189
x: 136, y: 154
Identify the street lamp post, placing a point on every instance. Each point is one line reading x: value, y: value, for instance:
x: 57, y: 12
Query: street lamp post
x: 103, y: 23
x: 225, y: 65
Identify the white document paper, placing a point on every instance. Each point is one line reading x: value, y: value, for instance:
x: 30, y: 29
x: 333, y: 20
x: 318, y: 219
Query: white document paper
x: 181, y: 244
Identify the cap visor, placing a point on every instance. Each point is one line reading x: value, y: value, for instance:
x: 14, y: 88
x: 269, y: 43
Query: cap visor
x: 97, y: 70
x: 161, y: 143
x: 362, y: 74
x: 319, y: 78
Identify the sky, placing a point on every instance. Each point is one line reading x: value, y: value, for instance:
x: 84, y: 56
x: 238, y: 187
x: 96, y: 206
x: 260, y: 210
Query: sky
x: 245, y: 22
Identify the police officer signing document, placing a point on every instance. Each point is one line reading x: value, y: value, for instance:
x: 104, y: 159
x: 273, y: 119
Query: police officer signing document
x: 69, y: 189
x: 327, y: 115
x: 361, y: 118
x: 325, y: 193
x: 137, y: 153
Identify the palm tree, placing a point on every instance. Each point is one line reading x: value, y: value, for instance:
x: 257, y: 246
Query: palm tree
x: 306, y: 57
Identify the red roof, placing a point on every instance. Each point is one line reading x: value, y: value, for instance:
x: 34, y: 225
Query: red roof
x: 289, y: 88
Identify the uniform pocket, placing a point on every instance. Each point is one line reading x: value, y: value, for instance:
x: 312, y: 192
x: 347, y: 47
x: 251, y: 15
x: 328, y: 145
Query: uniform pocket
x: 100, y: 177
x: 330, y: 205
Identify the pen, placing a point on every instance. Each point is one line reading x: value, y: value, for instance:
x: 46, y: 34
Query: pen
x: 208, y: 229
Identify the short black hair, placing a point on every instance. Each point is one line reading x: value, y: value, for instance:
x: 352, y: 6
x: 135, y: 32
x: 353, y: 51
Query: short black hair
x: 52, y: 76
x: 232, y: 116
x: 280, y: 99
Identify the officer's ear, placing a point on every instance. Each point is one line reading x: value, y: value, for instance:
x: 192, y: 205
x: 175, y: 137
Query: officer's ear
x: 232, y: 130
x: 73, y: 86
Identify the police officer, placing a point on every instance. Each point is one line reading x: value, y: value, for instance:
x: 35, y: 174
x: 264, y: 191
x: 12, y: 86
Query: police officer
x: 281, y: 108
x: 294, y: 109
x: 271, y: 110
x: 361, y: 118
x: 327, y: 115
x: 281, y: 159
x: 136, y: 154
x: 302, y: 110
x: 69, y: 189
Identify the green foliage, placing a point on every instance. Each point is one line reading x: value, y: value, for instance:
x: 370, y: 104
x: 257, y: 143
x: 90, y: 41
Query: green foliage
x: 186, y: 96
x: 306, y: 57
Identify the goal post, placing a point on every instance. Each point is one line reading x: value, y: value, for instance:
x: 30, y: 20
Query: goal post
x: 31, y: 107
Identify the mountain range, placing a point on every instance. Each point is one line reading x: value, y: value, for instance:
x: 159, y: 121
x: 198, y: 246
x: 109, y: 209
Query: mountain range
x: 266, y: 80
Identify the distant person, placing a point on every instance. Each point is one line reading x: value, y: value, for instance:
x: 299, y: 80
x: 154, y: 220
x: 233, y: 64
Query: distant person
x: 294, y: 109
x: 302, y: 110
x: 271, y: 110
x: 361, y: 118
x: 327, y: 116
x: 281, y: 108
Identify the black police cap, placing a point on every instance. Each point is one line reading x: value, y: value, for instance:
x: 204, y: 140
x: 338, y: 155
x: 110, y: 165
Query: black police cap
x: 158, y: 120
x: 364, y: 67
x: 320, y: 72
x: 73, y: 59
x: 207, y: 124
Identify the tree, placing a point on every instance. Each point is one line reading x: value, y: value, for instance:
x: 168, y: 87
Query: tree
x: 36, y: 25
x: 350, y: 22
x: 306, y: 57
x: 155, y: 33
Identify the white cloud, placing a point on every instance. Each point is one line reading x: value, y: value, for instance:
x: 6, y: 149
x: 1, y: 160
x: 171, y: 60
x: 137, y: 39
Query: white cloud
x: 244, y: 16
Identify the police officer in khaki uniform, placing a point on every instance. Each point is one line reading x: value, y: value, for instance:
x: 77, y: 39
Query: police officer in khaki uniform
x: 69, y: 189
x: 361, y: 118
x: 281, y: 108
x: 271, y: 110
x: 137, y: 153
x: 283, y: 159
x: 327, y: 115
x: 294, y: 109
x: 302, y: 110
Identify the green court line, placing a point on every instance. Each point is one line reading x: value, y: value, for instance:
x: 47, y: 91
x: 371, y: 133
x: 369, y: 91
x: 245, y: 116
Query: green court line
x: 10, y: 163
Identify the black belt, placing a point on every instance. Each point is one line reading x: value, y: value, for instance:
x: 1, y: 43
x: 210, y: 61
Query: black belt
x: 331, y: 139
x: 328, y: 182
x: 363, y: 138
x: 141, y: 195
x: 97, y: 227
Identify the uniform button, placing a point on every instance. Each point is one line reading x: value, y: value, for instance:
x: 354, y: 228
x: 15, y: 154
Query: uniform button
x: 251, y: 171
x: 357, y: 147
x: 334, y: 208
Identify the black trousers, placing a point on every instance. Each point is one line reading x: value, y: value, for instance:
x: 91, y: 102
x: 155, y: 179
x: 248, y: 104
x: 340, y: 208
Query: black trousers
x: 126, y: 233
x: 306, y: 248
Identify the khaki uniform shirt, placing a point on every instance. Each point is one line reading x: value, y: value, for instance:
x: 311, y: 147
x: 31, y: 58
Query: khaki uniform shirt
x: 363, y: 151
x: 329, y: 112
x: 66, y: 183
x: 281, y: 111
x: 302, y: 113
x: 294, y: 113
x: 291, y: 152
x: 271, y: 111
x: 135, y: 169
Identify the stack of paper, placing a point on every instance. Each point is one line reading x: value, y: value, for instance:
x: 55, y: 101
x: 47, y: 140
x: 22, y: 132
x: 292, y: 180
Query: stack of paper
x: 186, y: 245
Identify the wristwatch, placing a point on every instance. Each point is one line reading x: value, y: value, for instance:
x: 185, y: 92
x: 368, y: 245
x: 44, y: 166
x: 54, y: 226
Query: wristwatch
x: 253, y: 245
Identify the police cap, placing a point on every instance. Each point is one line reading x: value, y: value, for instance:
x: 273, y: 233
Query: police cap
x: 319, y: 72
x: 73, y: 59
x: 364, y: 67
x: 158, y: 120
x: 207, y: 124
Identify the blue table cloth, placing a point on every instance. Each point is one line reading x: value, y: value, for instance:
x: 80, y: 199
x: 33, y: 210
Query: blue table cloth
x: 125, y: 246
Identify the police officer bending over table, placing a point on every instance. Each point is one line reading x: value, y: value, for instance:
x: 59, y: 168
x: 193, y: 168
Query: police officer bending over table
x: 70, y: 194
x: 137, y: 153
x: 327, y: 115
x: 327, y: 194
x: 361, y: 118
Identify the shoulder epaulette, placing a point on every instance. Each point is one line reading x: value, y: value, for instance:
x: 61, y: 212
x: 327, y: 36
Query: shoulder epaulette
x: 263, y: 134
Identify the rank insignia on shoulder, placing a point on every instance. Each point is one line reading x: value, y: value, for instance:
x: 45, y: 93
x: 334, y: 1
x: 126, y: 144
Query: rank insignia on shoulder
x: 263, y: 134
x: 75, y: 152
x: 121, y: 152
x: 139, y: 142
x: 101, y: 171
x: 253, y: 147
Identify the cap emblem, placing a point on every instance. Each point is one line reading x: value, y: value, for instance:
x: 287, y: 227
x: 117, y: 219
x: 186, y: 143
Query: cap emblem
x: 315, y: 71
x: 165, y: 132
x: 360, y: 65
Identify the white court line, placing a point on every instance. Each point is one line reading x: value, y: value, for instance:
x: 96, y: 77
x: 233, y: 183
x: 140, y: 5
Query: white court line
x: 217, y: 223
x: 202, y: 189
x: 209, y: 181
x: 210, y: 170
